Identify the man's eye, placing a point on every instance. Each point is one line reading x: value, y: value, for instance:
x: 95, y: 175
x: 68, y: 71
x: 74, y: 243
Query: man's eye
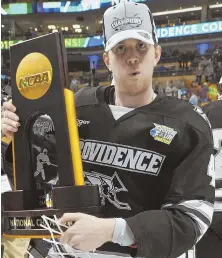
x: 120, y: 48
x: 142, y: 45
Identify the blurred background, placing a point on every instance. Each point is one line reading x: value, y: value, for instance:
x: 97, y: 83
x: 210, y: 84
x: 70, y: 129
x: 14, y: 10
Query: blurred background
x: 190, y: 33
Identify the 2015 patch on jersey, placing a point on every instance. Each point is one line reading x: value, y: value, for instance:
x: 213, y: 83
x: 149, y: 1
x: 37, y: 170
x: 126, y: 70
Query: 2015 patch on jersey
x: 163, y: 133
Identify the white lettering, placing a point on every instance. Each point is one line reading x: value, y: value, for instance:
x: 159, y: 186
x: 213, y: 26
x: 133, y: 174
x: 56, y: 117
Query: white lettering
x: 155, y: 161
x: 109, y: 155
x: 39, y: 222
x: 86, y: 150
x: 94, y: 150
x: 127, y: 158
x: 101, y: 153
x: 194, y: 29
x: 220, y: 26
x: 118, y: 161
x: 213, y: 27
x: 12, y: 223
x: 131, y: 159
x: 164, y: 33
x: 205, y: 27
x: 179, y: 31
x: 126, y: 21
x: 171, y: 32
x: 187, y: 29
x: 158, y: 33
x: 141, y: 165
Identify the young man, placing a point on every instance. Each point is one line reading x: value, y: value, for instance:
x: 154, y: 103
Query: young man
x: 211, y: 244
x: 151, y: 155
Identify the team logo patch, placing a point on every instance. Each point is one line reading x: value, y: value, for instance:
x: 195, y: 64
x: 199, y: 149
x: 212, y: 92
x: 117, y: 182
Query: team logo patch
x: 163, y: 133
x: 109, y: 187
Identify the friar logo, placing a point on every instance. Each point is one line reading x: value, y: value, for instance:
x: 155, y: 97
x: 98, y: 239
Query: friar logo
x: 109, y: 187
x: 133, y: 22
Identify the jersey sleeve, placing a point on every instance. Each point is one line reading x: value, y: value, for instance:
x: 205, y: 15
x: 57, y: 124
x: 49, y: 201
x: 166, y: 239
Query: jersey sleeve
x: 188, y: 209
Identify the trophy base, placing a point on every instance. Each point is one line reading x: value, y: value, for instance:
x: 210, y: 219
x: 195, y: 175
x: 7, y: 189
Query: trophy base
x: 26, y: 222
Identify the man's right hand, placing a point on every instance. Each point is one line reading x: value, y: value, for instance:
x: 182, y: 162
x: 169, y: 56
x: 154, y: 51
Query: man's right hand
x: 9, y: 121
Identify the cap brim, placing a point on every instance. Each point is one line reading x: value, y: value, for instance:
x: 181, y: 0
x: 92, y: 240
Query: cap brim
x: 128, y: 34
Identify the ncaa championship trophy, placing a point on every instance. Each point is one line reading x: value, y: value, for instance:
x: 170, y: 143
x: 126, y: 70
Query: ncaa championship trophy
x: 39, y: 81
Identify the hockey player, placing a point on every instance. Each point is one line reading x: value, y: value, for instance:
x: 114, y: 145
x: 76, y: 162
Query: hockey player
x: 42, y: 158
x: 151, y: 155
x: 211, y: 244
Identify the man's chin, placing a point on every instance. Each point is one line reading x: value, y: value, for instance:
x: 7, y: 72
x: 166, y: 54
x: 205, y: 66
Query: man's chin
x: 133, y: 89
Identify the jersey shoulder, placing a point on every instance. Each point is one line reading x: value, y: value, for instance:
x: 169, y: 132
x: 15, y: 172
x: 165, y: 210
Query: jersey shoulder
x: 189, y: 114
x: 213, y: 106
x: 86, y: 96
x: 213, y: 111
x: 90, y: 96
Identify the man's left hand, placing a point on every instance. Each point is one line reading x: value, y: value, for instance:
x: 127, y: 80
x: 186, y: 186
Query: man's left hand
x: 88, y: 232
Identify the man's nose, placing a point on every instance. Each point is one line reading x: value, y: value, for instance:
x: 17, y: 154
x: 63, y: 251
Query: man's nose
x: 133, y: 60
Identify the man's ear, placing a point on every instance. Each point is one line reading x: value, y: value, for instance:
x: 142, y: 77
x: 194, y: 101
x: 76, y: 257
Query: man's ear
x: 106, y: 60
x: 158, y: 51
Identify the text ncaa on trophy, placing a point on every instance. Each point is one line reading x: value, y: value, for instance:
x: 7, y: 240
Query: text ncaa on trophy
x: 46, y: 108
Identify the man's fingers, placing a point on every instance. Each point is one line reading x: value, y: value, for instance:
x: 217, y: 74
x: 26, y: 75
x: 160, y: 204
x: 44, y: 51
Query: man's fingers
x: 7, y: 121
x: 67, y: 235
x: 9, y: 106
x: 71, y: 217
x: 74, y: 242
x: 6, y: 128
x: 10, y: 114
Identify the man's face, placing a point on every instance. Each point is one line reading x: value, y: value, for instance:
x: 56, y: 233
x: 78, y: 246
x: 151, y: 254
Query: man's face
x: 132, y: 63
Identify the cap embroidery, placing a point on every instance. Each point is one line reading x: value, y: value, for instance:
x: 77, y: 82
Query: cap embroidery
x: 133, y: 22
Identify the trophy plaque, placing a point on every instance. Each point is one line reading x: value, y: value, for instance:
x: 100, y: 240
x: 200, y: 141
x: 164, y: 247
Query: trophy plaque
x: 46, y: 182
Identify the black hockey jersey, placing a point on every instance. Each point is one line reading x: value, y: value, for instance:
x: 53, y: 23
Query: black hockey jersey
x: 211, y: 244
x: 154, y: 167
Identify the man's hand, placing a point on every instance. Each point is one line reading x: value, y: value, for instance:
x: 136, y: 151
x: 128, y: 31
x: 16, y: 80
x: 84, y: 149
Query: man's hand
x: 9, y: 122
x: 88, y: 232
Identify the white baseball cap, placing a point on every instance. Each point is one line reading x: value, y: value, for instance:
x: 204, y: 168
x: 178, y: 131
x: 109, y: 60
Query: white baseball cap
x: 128, y: 20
